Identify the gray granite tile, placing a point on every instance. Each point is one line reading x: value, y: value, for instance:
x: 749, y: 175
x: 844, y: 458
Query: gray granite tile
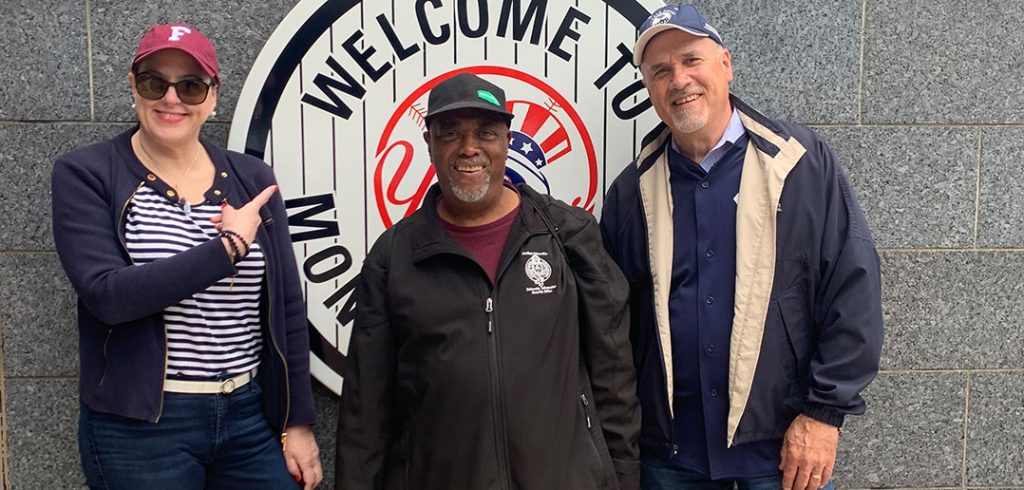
x: 792, y: 59
x: 42, y: 448
x: 911, y: 436
x: 326, y: 425
x: 237, y: 28
x: 27, y: 152
x: 953, y: 310
x: 943, y: 61
x: 916, y: 185
x: 44, y: 72
x: 37, y: 311
x: 1001, y: 211
x: 995, y: 440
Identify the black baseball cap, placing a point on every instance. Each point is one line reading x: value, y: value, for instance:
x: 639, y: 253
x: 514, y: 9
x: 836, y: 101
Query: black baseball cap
x: 466, y: 91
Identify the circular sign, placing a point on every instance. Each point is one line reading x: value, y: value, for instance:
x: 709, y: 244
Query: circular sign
x: 335, y: 102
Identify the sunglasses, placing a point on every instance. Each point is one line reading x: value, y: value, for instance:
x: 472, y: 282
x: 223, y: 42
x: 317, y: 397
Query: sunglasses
x: 154, y: 87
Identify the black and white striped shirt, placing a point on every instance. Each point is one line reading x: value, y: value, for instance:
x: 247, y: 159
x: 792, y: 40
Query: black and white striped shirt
x: 216, y: 331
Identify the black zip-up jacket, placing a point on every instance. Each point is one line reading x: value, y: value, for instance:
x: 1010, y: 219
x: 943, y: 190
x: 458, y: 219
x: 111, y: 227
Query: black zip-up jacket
x: 453, y: 383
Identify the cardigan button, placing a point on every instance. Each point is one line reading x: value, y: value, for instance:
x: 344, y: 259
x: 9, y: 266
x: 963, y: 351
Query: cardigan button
x: 224, y: 174
x: 170, y: 193
x: 151, y: 177
x: 216, y: 193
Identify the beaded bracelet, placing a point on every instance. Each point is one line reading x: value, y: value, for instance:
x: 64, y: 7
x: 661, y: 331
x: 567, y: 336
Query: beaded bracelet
x: 232, y: 235
x: 235, y: 256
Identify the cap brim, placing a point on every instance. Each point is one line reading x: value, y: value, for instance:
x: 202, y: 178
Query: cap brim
x: 641, y: 42
x: 145, y: 54
x: 483, y: 106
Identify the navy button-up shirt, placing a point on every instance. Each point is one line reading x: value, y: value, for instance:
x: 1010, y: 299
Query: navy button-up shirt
x: 701, y: 311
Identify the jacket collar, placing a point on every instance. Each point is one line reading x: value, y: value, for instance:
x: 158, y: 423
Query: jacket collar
x: 429, y: 237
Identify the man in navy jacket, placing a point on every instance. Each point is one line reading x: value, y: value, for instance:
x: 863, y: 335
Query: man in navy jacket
x: 755, y: 289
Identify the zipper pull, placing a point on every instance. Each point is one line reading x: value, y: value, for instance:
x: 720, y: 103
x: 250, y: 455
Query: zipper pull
x: 585, y: 411
x: 489, y: 308
x: 284, y: 440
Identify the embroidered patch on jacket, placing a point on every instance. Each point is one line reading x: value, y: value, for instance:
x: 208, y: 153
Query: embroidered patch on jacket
x: 538, y: 270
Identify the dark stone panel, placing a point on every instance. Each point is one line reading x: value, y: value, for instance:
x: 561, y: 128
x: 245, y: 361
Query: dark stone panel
x: 42, y: 447
x: 27, y: 152
x: 37, y: 312
x: 44, y: 70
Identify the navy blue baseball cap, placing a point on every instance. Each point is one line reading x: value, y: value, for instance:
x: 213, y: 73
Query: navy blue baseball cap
x: 683, y: 17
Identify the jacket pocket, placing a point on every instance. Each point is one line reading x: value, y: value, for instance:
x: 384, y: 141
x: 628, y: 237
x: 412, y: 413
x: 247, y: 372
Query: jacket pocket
x: 796, y: 322
x: 106, y: 362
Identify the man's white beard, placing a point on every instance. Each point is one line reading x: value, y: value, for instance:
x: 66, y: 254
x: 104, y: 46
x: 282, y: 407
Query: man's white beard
x: 474, y: 196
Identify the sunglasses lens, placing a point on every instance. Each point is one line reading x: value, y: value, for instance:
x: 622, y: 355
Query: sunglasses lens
x: 151, y: 87
x: 191, y: 91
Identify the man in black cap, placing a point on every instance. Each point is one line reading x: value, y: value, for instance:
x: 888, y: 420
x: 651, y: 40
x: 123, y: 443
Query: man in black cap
x: 756, y: 294
x: 491, y: 342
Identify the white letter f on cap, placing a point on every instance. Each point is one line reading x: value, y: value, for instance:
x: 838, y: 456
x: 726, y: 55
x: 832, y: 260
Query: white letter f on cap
x: 177, y: 32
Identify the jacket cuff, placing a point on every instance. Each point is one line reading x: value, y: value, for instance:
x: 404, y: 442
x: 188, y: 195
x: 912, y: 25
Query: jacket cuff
x: 823, y: 413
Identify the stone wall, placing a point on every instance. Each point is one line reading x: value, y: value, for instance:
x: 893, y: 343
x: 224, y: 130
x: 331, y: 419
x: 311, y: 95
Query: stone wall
x: 920, y: 99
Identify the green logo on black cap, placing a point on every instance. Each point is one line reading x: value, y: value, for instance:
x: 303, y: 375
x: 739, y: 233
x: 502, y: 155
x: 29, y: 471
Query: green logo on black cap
x: 489, y: 97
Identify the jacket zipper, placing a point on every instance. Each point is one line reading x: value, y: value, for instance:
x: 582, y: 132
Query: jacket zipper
x: 273, y: 340
x: 586, y: 411
x: 497, y: 408
x: 124, y: 246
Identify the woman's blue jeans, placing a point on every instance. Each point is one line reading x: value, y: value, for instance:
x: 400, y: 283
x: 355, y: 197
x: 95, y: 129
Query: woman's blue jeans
x: 201, y: 441
x: 659, y: 475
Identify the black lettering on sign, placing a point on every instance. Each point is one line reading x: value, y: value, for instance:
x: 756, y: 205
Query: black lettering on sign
x: 566, y: 30
x: 481, y: 24
x: 625, y: 59
x: 330, y: 252
x: 534, y: 16
x: 428, y: 33
x: 621, y: 97
x: 403, y: 52
x: 331, y: 86
x: 362, y: 58
x: 320, y: 204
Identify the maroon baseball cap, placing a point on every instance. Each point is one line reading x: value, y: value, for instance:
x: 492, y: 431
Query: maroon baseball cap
x: 182, y: 37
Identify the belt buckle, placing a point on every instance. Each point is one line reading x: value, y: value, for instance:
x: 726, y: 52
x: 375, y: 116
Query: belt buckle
x: 228, y: 386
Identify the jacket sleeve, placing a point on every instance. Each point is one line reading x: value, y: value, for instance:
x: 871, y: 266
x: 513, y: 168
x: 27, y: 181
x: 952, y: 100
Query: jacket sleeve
x: 96, y: 263
x: 847, y: 306
x: 365, y: 407
x: 604, y: 316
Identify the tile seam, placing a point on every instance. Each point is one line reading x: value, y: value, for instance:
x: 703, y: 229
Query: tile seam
x: 977, y: 187
x: 967, y: 421
x: 6, y: 482
x: 860, y: 78
x: 953, y: 371
x: 88, y: 58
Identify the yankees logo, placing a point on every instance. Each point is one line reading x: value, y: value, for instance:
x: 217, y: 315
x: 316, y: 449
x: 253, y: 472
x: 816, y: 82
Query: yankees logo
x: 336, y: 100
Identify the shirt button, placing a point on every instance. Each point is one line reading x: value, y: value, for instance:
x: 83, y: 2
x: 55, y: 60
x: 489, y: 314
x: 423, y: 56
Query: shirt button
x: 709, y: 300
x: 705, y: 184
x: 714, y: 392
x: 710, y: 348
x: 710, y: 253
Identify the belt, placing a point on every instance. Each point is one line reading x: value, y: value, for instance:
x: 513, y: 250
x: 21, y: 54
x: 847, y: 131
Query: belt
x: 209, y: 387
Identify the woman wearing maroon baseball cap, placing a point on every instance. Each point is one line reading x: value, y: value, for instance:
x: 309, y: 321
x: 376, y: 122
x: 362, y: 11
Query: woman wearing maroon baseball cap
x: 193, y: 339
